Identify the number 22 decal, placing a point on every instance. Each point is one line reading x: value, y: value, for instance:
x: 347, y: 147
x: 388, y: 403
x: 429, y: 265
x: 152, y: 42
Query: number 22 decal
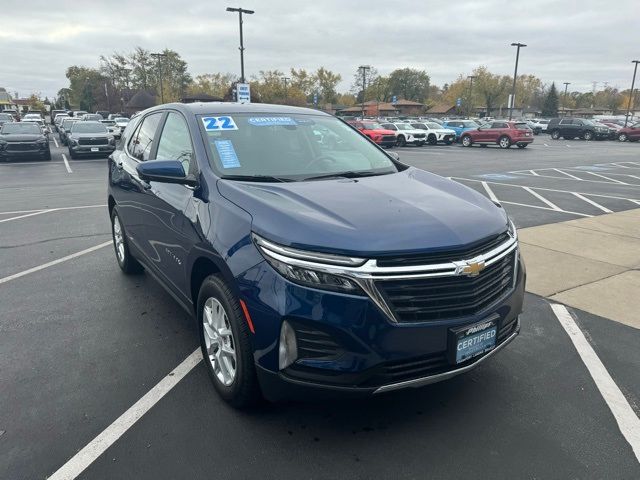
x: 211, y: 124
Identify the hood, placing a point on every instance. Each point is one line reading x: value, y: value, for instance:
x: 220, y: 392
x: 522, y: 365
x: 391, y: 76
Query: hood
x: 22, y: 137
x: 413, y: 131
x: 406, y: 212
x: 382, y: 131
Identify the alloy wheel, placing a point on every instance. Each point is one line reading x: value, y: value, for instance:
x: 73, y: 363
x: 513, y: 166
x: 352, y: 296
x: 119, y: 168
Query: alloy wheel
x: 505, y: 142
x: 219, y: 341
x: 622, y: 137
x: 118, y: 239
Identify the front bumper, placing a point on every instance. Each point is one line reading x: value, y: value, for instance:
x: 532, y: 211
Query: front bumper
x: 24, y: 154
x: 92, y: 149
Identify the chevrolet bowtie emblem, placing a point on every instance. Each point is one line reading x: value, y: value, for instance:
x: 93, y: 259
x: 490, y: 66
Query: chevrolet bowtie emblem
x: 470, y: 269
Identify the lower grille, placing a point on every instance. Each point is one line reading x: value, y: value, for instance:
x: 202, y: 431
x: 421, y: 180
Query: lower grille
x: 388, y: 138
x: 92, y: 141
x: 315, y: 344
x: 21, y: 147
x: 448, y: 297
x: 420, y: 135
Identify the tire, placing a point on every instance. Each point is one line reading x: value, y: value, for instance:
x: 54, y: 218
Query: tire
x: 504, y: 142
x: 523, y: 145
x: 555, y: 134
x: 72, y: 155
x: 47, y: 156
x: 419, y: 144
x: 432, y: 140
x: 401, y: 141
x: 466, y: 141
x: 126, y: 262
x: 448, y: 141
x: 622, y: 137
x: 234, y: 377
x: 588, y: 135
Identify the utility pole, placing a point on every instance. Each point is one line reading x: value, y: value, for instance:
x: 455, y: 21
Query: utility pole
x: 515, y: 75
x: 159, y: 56
x: 633, y: 82
x: 469, y: 106
x: 364, y: 69
x: 285, y: 80
x: 240, y: 11
x: 566, y: 84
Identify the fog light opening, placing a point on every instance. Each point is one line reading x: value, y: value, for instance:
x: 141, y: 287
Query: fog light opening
x: 288, y: 350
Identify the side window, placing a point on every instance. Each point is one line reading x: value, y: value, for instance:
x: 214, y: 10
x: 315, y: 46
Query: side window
x: 566, y: 121
x: 175, y: 141
x: 499, y: 125
x: 142, y: 140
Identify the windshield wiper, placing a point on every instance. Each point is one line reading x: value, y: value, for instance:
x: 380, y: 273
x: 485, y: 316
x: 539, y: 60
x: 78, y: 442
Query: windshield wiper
x: 257, y: 178
x: 348, y: 174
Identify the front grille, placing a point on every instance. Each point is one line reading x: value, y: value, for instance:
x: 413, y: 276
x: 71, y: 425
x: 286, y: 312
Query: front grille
x: 315, y: 344
x: 428, y: 365
x: 438, y: 298
x: 92, y: 141
x: 388, y: 138
x: 21, y: 147
x: 465, y: 253
x: 420, y: 135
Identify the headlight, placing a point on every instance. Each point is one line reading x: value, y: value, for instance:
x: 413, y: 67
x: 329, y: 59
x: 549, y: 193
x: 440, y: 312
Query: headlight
x: 309, y: 269
x: 72, y: 141
x: 42, y: 141
x: 512, y: 229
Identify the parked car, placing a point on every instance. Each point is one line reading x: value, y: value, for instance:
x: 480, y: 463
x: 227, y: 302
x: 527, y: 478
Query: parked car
x: 459, y: 126
x: 90, y: 138
x: 5, y: 118
x: 65, y: 128
x: 23, y: 140
x: 13, y: 112
x: 501, y: 133
x: 104, y: 114
x: 406, y: 134
x: 112, y: 128
x: 53, y: 113
x: 384, y: 137
x: 435, y: 132
x: 58, y: 120
x: 542, y: 124
x: 121, y: 122
x: 310, y: 270
x: 37, y: 119
x: 91, y: 117
x: 78, y: 113
x: 570, y: 128
x: 630, y: 133
x: 532, y: 125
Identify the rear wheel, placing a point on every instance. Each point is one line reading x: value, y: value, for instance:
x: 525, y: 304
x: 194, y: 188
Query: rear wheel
x: 588, y: 135
x: 401, y: 141
x: 466, y: 141
x: 226, y: 345
x: 504, y: 142
x: 127, y: 263
x: 555, y: 134
x: 622, y: 137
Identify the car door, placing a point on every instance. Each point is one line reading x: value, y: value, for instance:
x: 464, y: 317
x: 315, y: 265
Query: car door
x: 497, y: 130
x: 578, y: 127
x: 171, y: 219
x: 634, y: 132
x: 565, y: 127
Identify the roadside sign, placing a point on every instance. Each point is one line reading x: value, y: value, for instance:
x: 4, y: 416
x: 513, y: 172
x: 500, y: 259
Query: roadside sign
x: 243, y: 93
x: 510, y: 102
x: 394, y: 99
x: 458, y: 102
x: 315, y: 98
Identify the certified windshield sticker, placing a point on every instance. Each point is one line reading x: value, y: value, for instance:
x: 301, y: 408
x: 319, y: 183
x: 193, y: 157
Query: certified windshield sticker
x: 214, y: 124
x: 227, y: 154
x: 271, y: 121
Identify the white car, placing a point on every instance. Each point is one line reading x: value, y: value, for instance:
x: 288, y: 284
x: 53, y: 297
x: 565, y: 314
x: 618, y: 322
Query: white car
x: 112, y: 128
x: 542, y: 124
x: 121, y: 122
x: 435, y: 132
x: 406, y: 134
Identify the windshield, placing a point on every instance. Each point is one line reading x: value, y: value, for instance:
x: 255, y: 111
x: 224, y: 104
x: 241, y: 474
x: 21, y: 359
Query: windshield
x: 26, y: 128
x: 404, y: 126
x: 66, y: 123
x: 88, y: 127
x: 108, y: 122
x: 469, y: 124
x: 121, y: 120
x: 5, y: 116
x: 289, y: 147
x: 522, y: 126
x: 433, y: 125
x: 372, y: 126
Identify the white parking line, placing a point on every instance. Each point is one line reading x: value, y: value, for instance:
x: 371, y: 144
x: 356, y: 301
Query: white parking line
x: 85, y: 457
x: 533, y: 172
x: 607, y: 178
x: 487, y: 189
x: 40, y: 212
x: 567, y: 174
x: 542, y: 199
x: 56, y: 142
x: 597, y: 205
x: 15, y: 212
x: 54, y: 262
x: 627, y: 420
x: 66, y: 163
x: 524, y: 172
x: 546, y: 208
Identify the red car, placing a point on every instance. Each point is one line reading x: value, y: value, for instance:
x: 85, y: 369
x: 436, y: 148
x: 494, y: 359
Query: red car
x: 631, y: 133
x: 377, y: 133
x: 499, y: 132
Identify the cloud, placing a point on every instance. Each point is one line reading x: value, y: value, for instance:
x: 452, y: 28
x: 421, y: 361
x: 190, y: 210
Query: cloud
x: 444, y: 38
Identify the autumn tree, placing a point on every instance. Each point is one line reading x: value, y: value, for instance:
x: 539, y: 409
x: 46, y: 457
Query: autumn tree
x: 327, y: 82
x: 214, y: 84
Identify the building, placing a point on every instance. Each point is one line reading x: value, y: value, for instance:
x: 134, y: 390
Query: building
x: 442, y: 110
x: 5, y: 99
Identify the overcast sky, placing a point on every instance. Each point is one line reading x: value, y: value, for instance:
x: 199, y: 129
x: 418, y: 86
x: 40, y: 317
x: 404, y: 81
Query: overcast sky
x: 577, y: 42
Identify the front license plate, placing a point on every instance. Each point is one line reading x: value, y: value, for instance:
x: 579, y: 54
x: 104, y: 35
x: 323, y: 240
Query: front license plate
x: 95, y: 149
x: 473, y: 340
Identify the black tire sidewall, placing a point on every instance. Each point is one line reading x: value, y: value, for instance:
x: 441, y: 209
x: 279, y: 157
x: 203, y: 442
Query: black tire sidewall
x: 129, y: 265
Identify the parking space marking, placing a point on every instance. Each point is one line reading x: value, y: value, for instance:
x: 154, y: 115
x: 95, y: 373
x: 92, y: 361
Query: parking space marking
x: 565, y: 173
x: 607, y: 178
x: 487, y: 189
x: 54, y: 262
x: 85, y: 457
x: 15, y: 212
x: 627, y: 420
x: 542, y: 199
x: 546, y: 208
x: 597, y: 205
x: 56, y: 142
x: 39, y: 212
x: 524, y: 172
x: 533, y: 172
x: 66, y: 163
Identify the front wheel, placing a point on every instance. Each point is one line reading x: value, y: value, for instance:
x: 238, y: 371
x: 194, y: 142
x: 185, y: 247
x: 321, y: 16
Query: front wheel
x: 432, y: 140
x: 226, y: 345
x: 504, y: 142
x: 466, y: 141
x: 555, y: 134
x: 588, y: 136
x: 401, y: 142
x: 622, y: 137
x: 47, y: 156
x: 127, y: 263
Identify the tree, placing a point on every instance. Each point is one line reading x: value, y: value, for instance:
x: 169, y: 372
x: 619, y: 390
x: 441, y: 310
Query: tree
x: 410, y: 84
x: 303, y: 81
x: 492, y: 88
x: 87, y: 88
x: 326, y: 82
x: 550, y: 107
x: 366, y: 76
x: 143, y: 71
x: 214, y: 84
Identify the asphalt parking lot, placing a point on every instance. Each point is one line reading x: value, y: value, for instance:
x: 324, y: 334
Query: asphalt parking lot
x: 81, y: 343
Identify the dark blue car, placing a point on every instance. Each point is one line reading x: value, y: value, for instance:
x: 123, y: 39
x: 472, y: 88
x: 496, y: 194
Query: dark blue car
x: 314, y: 262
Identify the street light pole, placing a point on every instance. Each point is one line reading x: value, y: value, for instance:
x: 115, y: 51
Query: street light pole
x: 566, y: 84
x: 633, y: 82
x: 240, y: 11
x: 285, y: 80
x: 515, y: 75
x: 364, y: 69
x: 471, y: 78
x: 159, y: 56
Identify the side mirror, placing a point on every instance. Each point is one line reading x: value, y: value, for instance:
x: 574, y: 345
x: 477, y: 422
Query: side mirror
x: 394, y: 155
x: 165, y: 171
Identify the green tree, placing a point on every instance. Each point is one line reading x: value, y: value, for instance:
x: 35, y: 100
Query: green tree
x: 550, y: 106
x: 303, y: 81
x: 491, y: 88
x: 214, y: 84
x: 326, y: 82
x: 410, y: 84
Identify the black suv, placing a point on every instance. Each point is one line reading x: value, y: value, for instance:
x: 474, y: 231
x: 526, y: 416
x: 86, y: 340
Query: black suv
x: 570, y: 128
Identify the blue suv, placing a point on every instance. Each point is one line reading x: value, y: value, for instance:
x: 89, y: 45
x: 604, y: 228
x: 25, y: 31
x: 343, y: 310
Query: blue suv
x: 314, y: 262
